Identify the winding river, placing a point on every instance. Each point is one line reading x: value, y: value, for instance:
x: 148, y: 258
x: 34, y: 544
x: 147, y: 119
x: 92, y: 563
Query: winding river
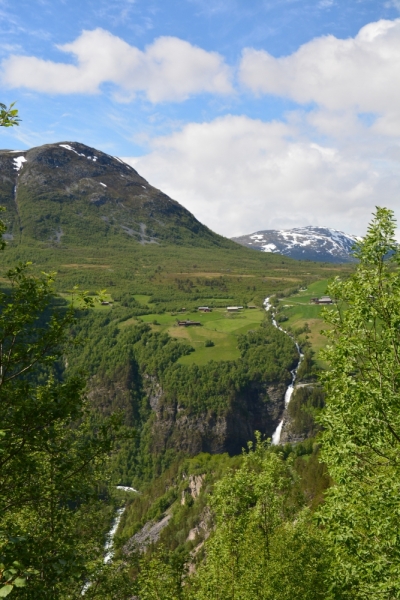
x: 276, y: 436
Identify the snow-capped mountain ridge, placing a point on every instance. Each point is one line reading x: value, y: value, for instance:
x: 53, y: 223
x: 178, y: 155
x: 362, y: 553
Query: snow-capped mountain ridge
x: 309, y: 243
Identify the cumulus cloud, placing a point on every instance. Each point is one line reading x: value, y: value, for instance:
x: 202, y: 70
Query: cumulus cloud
x: 361, y: 72
x: 239, y: 175
x: 170, y: 69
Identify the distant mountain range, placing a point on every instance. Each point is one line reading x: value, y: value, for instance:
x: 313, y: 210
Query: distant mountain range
x: 303, y: 243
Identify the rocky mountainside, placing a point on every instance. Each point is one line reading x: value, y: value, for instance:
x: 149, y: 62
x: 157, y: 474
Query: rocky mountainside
x: 305, y: 243
x: 68, y: 193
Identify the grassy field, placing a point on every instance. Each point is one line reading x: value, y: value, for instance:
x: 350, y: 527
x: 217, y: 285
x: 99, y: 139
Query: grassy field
x: 219, y: 326
x: 299, y: 312
x: 142, y: 299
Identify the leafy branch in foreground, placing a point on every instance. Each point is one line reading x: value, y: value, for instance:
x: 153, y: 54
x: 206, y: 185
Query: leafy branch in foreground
x: 8, y: 116
x: 361, y: 441
x: 52, y: 449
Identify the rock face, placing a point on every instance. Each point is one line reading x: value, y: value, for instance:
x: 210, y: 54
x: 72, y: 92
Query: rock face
x: 298, y: 418
x: 195, y: 484
x: 303, y: 243
x: 259, y: 409
x: 68, y: 193
x: 149, y: 534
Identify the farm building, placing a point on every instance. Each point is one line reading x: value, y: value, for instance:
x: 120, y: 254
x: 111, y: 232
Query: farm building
x: 251, y: 306
x: 322, y: 300
x: 234, y: 308
x: 204, y: 309
x: 188, y: 323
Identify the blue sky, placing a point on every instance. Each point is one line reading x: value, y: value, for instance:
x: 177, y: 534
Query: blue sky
x: 254, y: 114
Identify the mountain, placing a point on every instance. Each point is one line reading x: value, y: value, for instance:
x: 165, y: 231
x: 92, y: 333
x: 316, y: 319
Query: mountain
x: 70, y: 194
x: 304, y: 243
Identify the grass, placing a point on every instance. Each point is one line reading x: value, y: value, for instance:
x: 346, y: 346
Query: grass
x: 219, y: 326
x: 314, y: 290
x: 299, y: 312
x: 97, y: 305
x: 142, y: 299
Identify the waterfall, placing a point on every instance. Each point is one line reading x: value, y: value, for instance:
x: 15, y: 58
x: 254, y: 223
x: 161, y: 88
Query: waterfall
x: 109, y: 544
x: 276, y: 436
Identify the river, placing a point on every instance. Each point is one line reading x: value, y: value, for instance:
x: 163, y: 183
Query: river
x: 276, y: 436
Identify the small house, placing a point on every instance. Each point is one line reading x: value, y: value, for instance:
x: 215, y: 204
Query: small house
x: 325, y: 300
x: 204, y: 309
x: 322, y: 300
x: 251, y: 306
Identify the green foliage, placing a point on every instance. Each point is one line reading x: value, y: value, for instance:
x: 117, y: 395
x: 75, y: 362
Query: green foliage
x: 361, y: 438
x: 160, y: 577
x: 262, y: 547
x: 266, y: 355
x: 305, y: 404
x: 8, y: 116
x: 51, y: 456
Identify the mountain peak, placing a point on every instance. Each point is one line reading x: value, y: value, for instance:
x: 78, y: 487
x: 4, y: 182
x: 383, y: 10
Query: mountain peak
x: 68, y: 193
x: 306, y: 243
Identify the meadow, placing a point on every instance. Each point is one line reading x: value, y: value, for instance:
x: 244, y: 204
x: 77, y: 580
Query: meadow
x: 300, y: 313
x: 218, y: 327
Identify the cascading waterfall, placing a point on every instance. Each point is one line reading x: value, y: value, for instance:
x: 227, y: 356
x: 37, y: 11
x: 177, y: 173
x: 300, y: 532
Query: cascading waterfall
x: 109, y: 545
x: 276, y: 436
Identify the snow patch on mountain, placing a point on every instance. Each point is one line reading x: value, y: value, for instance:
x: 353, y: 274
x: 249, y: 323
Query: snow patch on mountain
x: 68, y: 147
x: 18, y: 162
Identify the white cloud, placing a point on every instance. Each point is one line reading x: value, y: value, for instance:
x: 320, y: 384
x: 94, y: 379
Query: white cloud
x: 169, y: 69
x: 360, y: 72
x: 239, y: 175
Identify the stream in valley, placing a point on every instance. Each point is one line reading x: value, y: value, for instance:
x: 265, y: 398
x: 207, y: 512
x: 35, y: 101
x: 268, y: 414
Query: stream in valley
x: 276, y: 436
x: 109, y: 544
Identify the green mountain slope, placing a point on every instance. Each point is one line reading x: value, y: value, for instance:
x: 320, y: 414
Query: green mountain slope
x: 68, y: 193
x: 99, y: 224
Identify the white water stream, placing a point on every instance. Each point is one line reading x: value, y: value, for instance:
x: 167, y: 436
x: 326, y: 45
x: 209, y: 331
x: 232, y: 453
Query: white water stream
x: 109, y: 544
x: 276, y: 436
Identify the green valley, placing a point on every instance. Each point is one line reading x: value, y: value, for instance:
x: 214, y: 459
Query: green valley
x: 180, y: 414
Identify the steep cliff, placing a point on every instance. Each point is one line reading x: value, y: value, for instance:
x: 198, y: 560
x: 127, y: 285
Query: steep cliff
x: 256, y: 408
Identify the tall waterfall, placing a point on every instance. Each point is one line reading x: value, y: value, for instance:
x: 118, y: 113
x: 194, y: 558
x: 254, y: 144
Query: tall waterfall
x: 276, y: 436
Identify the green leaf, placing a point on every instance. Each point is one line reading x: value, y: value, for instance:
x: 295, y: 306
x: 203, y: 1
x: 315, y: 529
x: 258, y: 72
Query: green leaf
x: 5, y: 590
